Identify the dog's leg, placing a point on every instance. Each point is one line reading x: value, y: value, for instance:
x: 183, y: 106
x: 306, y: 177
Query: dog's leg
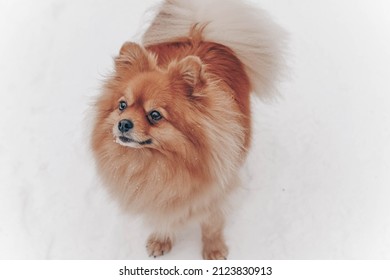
x: 214, y: 247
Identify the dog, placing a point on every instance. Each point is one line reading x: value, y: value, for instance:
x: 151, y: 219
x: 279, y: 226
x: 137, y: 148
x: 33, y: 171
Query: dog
x: 173, y: 122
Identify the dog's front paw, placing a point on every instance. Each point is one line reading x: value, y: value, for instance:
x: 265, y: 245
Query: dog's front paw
x: 215, y: 251
x: 158, y: 246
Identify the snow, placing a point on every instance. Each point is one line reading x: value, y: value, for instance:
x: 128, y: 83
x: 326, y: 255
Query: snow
x: 317, y: 179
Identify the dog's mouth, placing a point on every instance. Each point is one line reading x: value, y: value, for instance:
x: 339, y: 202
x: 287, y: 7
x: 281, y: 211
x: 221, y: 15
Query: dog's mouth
x: 125, y: 140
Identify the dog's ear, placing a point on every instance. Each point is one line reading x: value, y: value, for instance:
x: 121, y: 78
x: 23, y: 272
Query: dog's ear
x: 134, y: 58
x: 188, y: 70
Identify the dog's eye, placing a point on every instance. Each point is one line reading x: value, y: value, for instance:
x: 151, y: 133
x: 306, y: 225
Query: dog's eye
x: 154, y: 116
x: 122, y: 105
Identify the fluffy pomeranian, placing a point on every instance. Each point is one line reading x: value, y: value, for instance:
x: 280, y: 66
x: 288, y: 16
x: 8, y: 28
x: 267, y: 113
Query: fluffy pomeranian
x: 173, y: 123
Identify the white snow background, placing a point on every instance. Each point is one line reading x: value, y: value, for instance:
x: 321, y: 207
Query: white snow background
x: 318, y: 175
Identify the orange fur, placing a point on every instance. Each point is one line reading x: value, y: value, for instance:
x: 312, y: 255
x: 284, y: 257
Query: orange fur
x: 191, y: 165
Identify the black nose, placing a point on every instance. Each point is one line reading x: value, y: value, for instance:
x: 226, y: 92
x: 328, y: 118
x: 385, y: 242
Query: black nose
x: 125, y: 125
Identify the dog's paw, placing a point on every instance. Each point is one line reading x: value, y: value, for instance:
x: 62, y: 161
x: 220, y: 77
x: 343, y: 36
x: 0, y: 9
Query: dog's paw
x: 158, y: 247
x: 215, y: 251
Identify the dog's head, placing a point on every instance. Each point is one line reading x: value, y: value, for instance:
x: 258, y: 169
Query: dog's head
x: 146, y: 106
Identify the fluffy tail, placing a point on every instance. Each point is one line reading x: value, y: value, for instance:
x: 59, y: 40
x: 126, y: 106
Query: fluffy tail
x: 257, y: 41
